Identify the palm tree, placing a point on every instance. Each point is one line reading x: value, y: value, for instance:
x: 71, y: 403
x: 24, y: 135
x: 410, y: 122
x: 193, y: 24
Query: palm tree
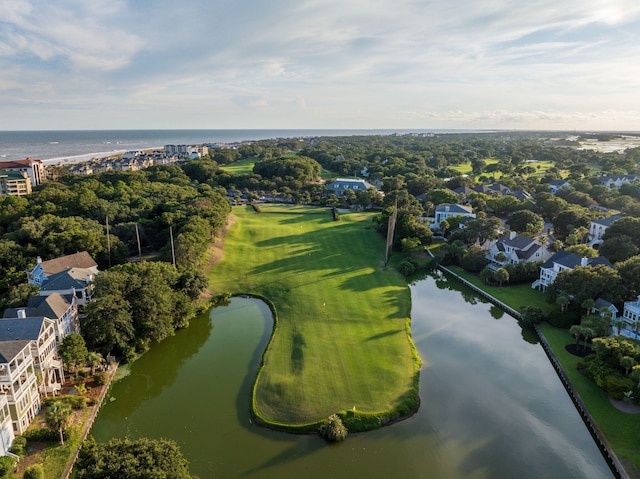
x: 576, y: 332
x: 563, y: 302
x: 93, y: 360
x: 588, y: 305
x: 502, y: 276
x: 57, y: 418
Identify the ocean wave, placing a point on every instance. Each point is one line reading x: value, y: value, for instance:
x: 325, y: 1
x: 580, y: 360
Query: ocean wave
x: 83, y: 157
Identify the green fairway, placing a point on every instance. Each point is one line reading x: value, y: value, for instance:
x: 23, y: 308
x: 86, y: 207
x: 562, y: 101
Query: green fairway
x: 241, y: 167
x: 622, y: 430
x: 341, y: 340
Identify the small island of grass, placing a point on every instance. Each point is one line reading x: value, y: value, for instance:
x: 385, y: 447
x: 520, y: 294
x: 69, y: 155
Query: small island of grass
x: 342, y: 341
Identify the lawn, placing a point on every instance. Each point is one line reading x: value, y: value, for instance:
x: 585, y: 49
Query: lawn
x: 515, y: 296
x: 342, y: 339
x: 621, y: 430
x: 540, y: 166
x: 241, y: 167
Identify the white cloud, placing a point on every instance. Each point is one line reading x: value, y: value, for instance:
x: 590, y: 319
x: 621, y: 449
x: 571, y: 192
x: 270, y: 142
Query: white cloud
x: 325, y: 62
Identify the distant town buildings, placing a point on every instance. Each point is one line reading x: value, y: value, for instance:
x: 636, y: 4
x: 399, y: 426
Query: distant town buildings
x: 34, y: 169
x: 186, y: 151
x: 14, y: 183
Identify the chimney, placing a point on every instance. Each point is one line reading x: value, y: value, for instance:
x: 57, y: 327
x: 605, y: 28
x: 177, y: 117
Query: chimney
x: 512, y: 235
x: 88, y: 279
x: 22, y: 313
x: 584, y: 261
x: 38, y: 260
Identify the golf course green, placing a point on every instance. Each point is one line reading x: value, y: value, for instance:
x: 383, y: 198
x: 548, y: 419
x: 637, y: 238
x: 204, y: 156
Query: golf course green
x: 341, y: 341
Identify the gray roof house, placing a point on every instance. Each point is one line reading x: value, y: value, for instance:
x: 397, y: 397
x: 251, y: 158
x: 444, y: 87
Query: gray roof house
x: 517, y: 249
x: 449, y: 210
x: 41, y: 332
x: 597, y: 228
x: 616, y: 181
x: 343, y: 184
x: 18, y: 382
x: 45, y: 269
x: 555, y: 185
x: 62, y: 309
x: 76, y: 281
x: 562, y: 261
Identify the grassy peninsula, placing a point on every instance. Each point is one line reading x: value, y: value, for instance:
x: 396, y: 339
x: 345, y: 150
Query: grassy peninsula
x: 342, y: 338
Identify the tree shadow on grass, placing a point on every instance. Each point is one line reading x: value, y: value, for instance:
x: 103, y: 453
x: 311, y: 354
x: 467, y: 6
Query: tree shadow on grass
x: 386, y: 334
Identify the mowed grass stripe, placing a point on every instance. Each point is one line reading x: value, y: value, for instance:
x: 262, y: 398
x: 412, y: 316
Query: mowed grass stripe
x: 341, y: 340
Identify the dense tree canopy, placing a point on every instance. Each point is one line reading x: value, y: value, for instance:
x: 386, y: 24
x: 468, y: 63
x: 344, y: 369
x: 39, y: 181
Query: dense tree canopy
x: 134, y: 459
x: 526, y: 222
x: 589, y: 282
x: 137, y: 304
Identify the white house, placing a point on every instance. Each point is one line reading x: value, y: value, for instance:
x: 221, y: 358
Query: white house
x: 597, y: 228
x: 616, y: 181
x: 447, y: 211
x: 341, y: 185
x: 74, y: 281
x: 555, y: 185
x: 564, y: 261
x: 517, y: 249
x: 41, y: 333
x: 601, y: 306
x: 631, y: 316
x: 45, y: 269
x: 18, y: 382
x: 6, y: 429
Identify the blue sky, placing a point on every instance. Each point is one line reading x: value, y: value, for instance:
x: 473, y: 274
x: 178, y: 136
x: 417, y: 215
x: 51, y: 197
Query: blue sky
x: 101, y: 64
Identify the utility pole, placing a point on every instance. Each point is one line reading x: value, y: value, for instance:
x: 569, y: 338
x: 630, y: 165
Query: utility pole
x: 173, y: 251
x: 138, y: 238
x: 108, y: 240
x: 391, y: 228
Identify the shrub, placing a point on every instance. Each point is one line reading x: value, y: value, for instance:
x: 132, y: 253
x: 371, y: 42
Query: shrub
x: 616, y: 386
x: 7, y: 464
x: 406, y: 268
x: 76, y: 402
x: 19, y: 446
x: 531, y: 316
x: 34, y: 472
x: 333, y: 430
x: 41, y: 434
x: 564, y: 320
x: 598, y: 370
x: 101, y: 378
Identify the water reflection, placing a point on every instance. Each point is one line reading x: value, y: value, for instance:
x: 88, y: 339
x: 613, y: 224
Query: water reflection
x: 491, y: 404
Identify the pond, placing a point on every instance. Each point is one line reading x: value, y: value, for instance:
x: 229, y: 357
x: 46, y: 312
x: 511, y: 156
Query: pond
x: 492, y: 405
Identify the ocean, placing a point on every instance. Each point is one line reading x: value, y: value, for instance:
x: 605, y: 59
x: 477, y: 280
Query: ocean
x: 82, y: 145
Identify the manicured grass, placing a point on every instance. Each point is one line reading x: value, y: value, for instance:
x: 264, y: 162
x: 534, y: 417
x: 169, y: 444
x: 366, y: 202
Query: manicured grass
x: 540, y: 166
x: 342, y: 339
x: 622, y: 430
x: 515, y: 296
x: 241, y: 167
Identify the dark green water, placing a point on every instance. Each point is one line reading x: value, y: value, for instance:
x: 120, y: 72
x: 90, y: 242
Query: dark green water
x: 492, y: 405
